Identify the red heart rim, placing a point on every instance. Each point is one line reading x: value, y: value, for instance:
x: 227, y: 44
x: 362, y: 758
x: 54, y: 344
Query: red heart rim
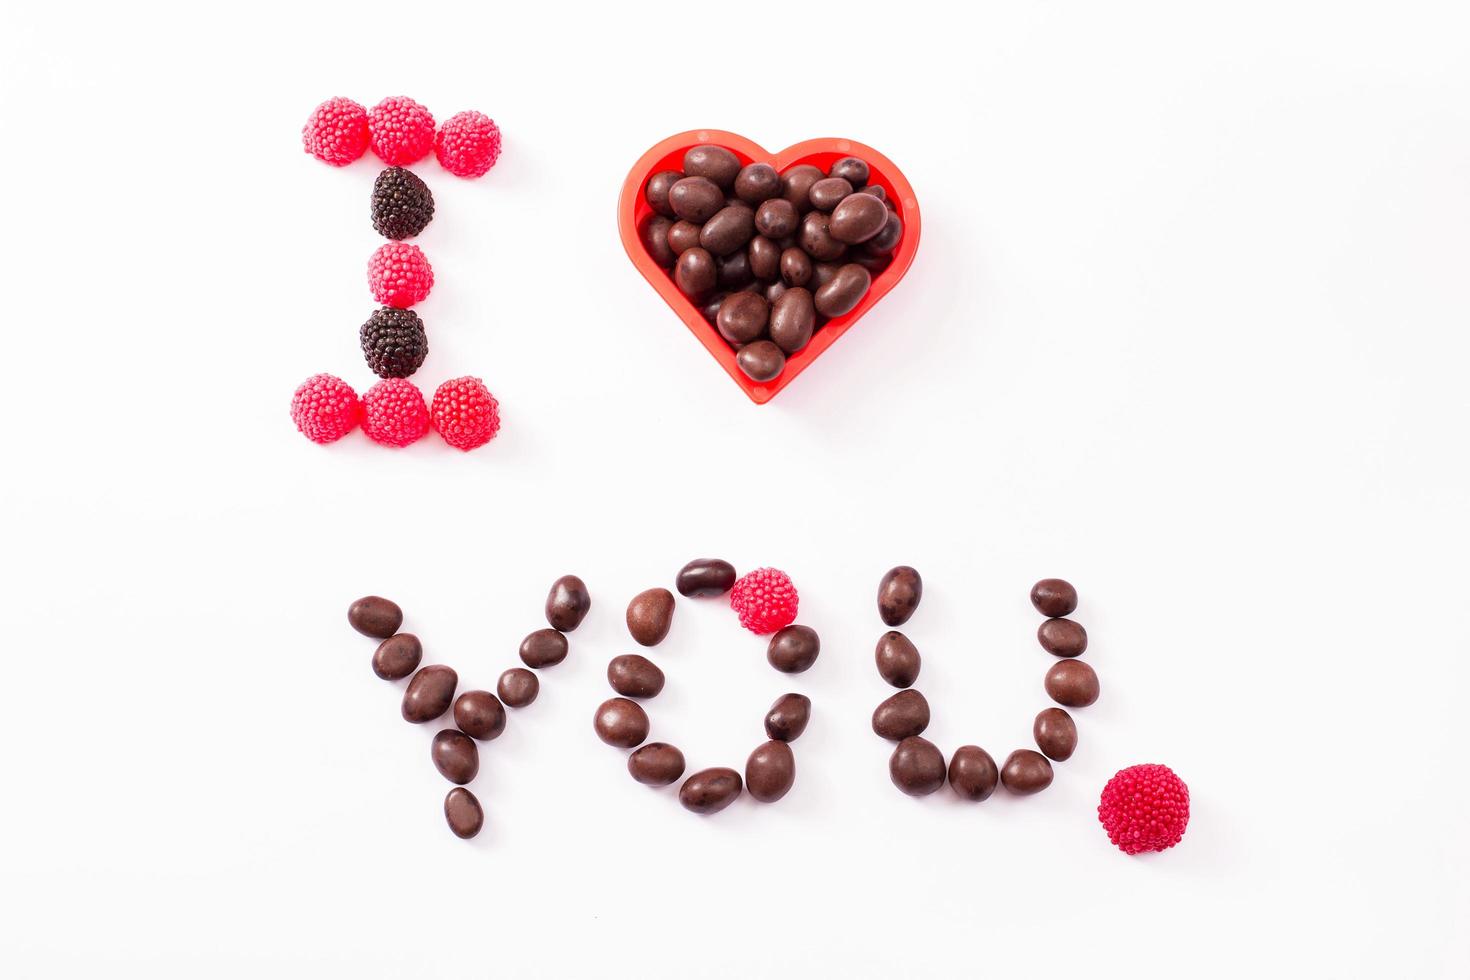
x: 669, y: 154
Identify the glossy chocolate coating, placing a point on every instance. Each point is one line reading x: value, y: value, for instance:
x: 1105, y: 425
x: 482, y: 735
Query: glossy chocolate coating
x: 544, y: 648
x: 874, y: 189
x: 656, y: 191
x: 793, y: 318
x: 714, y: 162
x: 1072, y: 683
x: 972, y: 773
x: 397, y: 656
x: 788, y: 717
x: 620, y: 722
x: 742, y: 318
x: 793, y: 648
x: 517, y: 687
x: 770, y: 771
x: 887, y: 239
x: 567, y: 603
x: 1062, y: 637
x: 857, y: 218
x: 1054, y: 597
x: 730, y: 229
x: 711, y: 308
x: 696, y: 199
x: 897, y: 658
x: 822, y: 273
x: 873, y: 263
x: 650, y: 614
x: 683, y: 235
x: 774, y: 292
x: 757, y: 182
x: 796, y: 186
x: 899, y: 592
x: 796, y: 267
x: 656, y: 764
x: 655, y: 237
x: 462, y: 812
x: 901, y: 716
x: 844, y: 292
x: 761, y: 361
x: 1026, y: 772
x: 816, y: 240
x: 429, y: 694
x: 917, y: 766
x: 455, y: 756
x: 705, y: 577
x: 777, y: 219
x: 375, y: 616
x: 695, y: 273
x: 827, y: 192
x: 479, y: 714
x: 1055, y: 733
x: 764, y: 257
x: 635, y: 676
x: 710, y: 790
x: 851, y: 169
x: 732, y: 272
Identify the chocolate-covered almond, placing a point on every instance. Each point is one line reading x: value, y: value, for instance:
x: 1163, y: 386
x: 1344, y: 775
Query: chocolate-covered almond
x: 742, y: 318
x: 479, y: 714
x: 897, y: 658
x: 650, y: 614
x: 517, y: 687
x: 764, y: 257
x: 696, y: 199
x: 455, y: 756
x: 761, y: 361
x: 856, y: 218
x: 851, y: 169
x: 1073, y: 683
x: 757, y: 182
x: 1062, y: 637
x: 796, y: 267
x: 1054, y: 597
x: 793, y: 318
x: 714, y: 162
x: 916, y: 766
x: 463, y: 813
x: 793, y: 648
x: 728, y: 230
x: 796, y: 186
x: 543, y: 648
x: 875, y: 190
x: 816, y: 239
x: 695, y: 273
x: 972, y: 773
x: 1055, y: 733
x: 655, y: 237
x: 397, y: 656
x: 656, y: 764
x: 887, y: 238
x: 777, y: 218
x: 705, y: 577
x: 827, y: 192
x: 788, y: 717
x: 1026, y: 772
x: 710, y: 790
x: 429, y: 693
x: 683, y: 235
x: 822, y: 273
x: 774, y: 292
x: 770, y: 771
x: 567, y: 603
x: 732, y: 272
x: 620, y: 722
x: 844, y: 292
x: 374, y: 616
x: 901, y: 716
x: 899, y: 593
x: 634, y: 676
x: 656, y: 191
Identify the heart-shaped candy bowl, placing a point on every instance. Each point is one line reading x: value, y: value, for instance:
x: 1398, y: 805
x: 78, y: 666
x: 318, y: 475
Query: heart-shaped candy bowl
x: 634, y: 212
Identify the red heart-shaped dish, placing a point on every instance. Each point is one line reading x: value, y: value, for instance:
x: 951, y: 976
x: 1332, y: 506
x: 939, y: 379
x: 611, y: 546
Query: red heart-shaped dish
x: 633, y: 210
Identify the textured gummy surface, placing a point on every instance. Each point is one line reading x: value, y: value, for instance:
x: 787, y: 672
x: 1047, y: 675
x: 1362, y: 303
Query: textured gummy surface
x: 1144, y: 808
x: 394, y: 413
x: 402, y: 130
x: 465, y: 413
x: 765, y: 600
x: 468, y: 144
x: 399, y: 275
x: 325, y: 408
x: 402, y: 205
x: 336, y: 132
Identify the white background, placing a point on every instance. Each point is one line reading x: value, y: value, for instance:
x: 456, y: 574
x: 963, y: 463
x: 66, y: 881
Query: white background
x: 1188, y: 327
